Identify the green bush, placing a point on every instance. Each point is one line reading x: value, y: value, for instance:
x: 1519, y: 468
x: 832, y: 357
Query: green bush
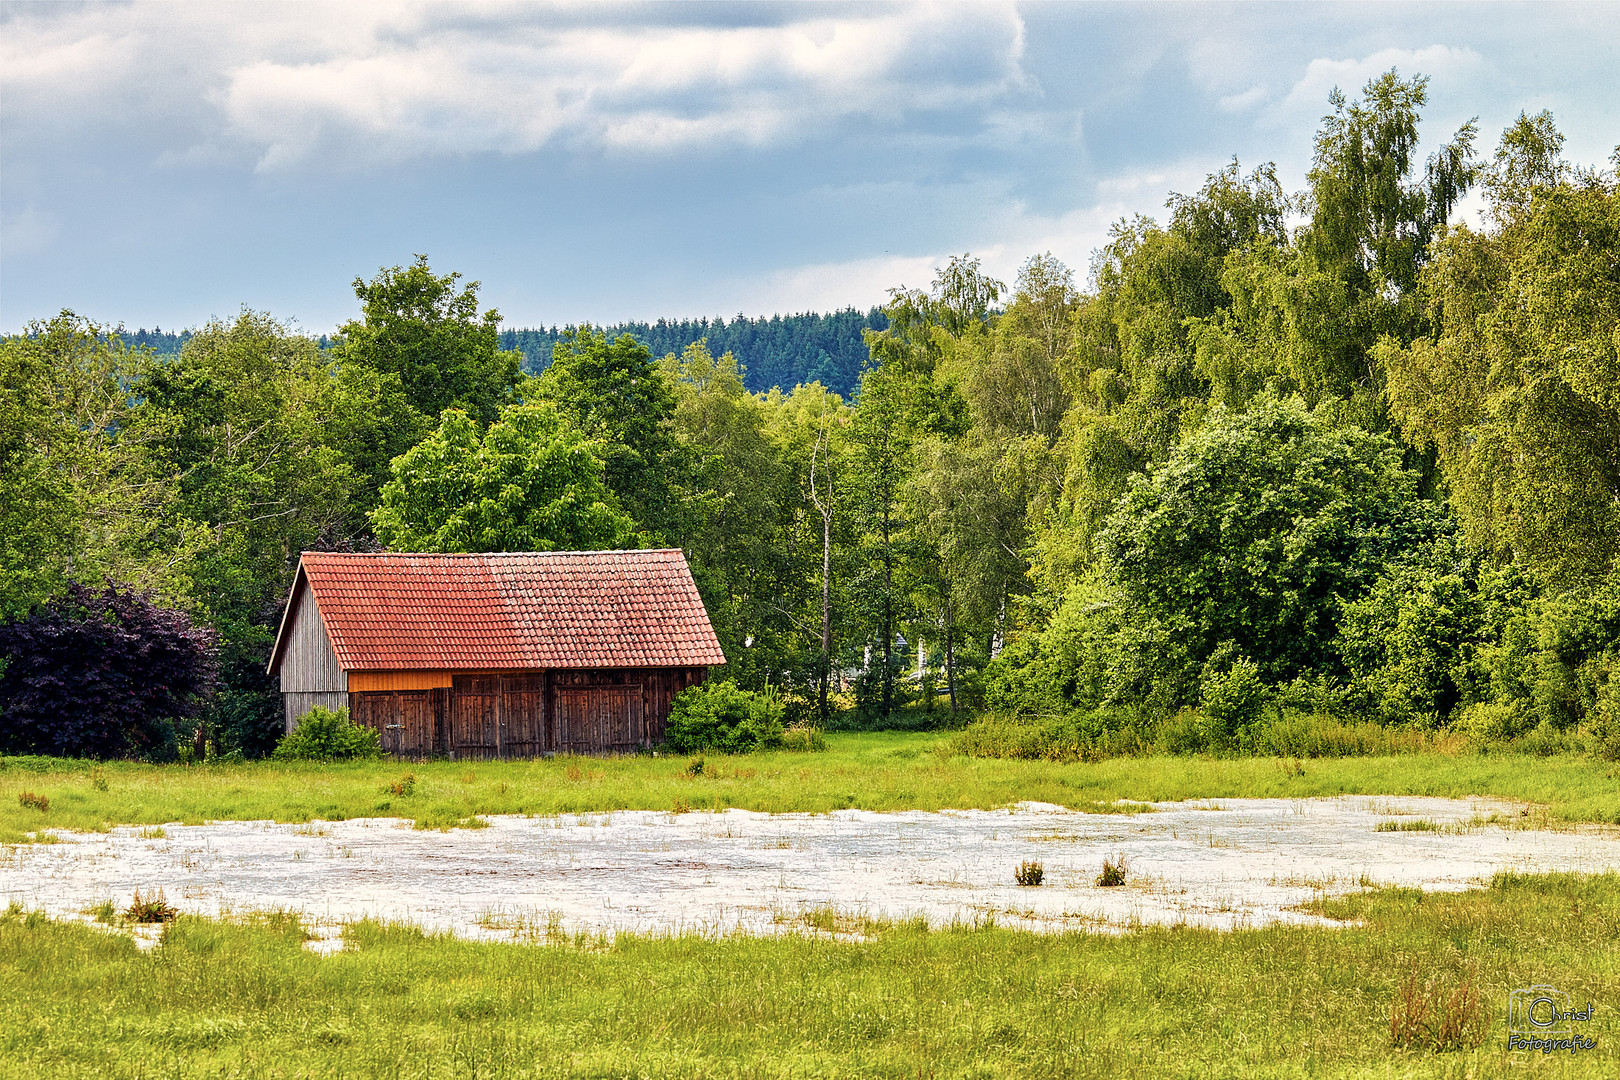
x: 722, y: 716
x: 806, y: 737
x: 1110, y: 733
x: 1233, y: 694
x: 324, y: 735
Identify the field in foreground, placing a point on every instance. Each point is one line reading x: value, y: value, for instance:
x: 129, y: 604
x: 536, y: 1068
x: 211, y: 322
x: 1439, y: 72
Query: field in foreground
x: 247, y: 1000
x: 875, y: 771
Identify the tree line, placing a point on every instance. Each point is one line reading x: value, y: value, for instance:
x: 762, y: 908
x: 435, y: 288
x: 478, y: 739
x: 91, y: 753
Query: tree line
x: 779, y: 351
x: 1367, y: 465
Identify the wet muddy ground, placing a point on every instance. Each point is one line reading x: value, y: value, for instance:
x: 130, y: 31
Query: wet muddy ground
x: 1223, y: 864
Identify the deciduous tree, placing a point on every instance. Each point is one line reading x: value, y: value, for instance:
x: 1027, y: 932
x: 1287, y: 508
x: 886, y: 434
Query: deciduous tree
x: 528, y: 483
x: 419, y: 326
x: 100, y: 674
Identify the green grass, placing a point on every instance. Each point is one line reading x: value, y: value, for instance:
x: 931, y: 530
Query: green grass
x: 247, y: 1000
x: 874, y: 771
x: 1412, y: 825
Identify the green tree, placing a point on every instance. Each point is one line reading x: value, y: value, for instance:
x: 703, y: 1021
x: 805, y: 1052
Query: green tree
x: 743, y: 512
x: 86, y: 491
x: 906, y: 394
x: 1518, y: 389
x: 422, y: 328
x: 1371, y: 219
x: 528, y: 483
x: 810, y: 427
x: 275, y: 449
x: 1305, y: 316
x: 246, y: 416
x: 1138, y: 370
x: 1256, y: 532
x: 611, y: 391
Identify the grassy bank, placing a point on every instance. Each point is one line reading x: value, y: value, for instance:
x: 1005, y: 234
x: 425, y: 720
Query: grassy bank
x: 248, y: 1001
x: 876, y: 771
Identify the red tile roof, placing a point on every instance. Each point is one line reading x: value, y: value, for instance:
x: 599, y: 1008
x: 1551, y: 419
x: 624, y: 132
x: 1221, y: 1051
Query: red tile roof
x: 513, y: 610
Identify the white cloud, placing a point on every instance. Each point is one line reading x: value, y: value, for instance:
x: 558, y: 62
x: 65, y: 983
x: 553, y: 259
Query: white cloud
x: 1249, y: 98
x: 1308, y: 99
x: 829, y: 286
x: 362, y: 82
x: 1002, y: 238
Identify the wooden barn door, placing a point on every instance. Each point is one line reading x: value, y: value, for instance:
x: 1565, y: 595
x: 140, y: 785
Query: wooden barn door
x: 523, y: 716
x: 402, y: 719
x: 374, y: 711
x: 475, y: 716
x: 413, y: 720
x: 598, y: 719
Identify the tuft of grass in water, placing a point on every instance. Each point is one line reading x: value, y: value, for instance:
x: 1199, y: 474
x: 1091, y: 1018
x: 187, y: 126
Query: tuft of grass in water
x: 153, y: 832
x: 105, y: 913
x: 445, y: 820
x: 880, y: 771
x: 1408, y: 825
x: 150, y: 908
x: 1119, y: 806
x: 831, y: 920
x: 1029, y: 873
x: 1113, y: 872
x: 831, y: 996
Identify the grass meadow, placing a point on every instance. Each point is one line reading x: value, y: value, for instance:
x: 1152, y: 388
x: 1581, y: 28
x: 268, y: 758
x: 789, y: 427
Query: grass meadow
x: 1409, y: 984
x: 1412, y: 985
x: 872, y: 771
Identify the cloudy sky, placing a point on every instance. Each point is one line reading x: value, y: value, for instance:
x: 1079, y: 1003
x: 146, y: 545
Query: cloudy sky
x: 162, y: 163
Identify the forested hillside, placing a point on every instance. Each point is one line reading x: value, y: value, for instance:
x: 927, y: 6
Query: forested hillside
x: 781, y: 351
x: 1363, y: 468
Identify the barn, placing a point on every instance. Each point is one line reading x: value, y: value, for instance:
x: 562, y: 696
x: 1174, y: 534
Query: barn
x: 508, y: 655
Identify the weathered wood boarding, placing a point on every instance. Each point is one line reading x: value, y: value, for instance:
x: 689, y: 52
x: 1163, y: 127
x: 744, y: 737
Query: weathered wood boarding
x: 496, y: 656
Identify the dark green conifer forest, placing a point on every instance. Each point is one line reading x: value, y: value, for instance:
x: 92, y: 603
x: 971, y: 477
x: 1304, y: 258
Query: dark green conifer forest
x: 1330, y: 453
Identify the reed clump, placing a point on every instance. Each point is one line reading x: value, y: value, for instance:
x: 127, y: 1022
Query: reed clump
x: 150, y: 908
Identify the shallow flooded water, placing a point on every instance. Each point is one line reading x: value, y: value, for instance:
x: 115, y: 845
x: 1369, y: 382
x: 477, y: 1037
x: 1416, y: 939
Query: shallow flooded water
x: 1223, y: 864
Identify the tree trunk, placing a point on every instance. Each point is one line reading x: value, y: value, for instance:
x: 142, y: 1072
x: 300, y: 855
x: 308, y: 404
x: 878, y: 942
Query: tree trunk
x: 826, y: 511
x: 950, y: 656
x: 826, y: 603
x: 888, y: 614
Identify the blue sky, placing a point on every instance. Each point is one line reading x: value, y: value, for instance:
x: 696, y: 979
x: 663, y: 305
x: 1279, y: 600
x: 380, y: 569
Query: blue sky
x: 168, y: 162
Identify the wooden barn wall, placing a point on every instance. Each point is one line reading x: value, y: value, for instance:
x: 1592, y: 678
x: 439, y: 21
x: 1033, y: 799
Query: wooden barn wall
x: 307, y: 661
x: 484, y: 715
x: 409, y: 723
x: 300, y: 702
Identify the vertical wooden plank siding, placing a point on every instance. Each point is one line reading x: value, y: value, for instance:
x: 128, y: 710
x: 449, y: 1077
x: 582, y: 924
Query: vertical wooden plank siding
x: 527, y: 714
x: 308, y: 667
x: 523, y: 716
x: 298, y: 703
x: 474, y: 717
x: 307, y: 660
x: 402, y: 719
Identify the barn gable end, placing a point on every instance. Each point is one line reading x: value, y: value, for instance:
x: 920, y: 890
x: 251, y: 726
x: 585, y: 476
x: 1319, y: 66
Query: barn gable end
x: 304, y: 659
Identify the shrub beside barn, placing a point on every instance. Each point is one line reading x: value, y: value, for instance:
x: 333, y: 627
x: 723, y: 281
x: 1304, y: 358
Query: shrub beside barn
x: 501, y: 655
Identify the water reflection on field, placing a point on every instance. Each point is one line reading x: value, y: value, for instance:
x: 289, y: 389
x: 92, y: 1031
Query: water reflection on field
x: 1223, y: 864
